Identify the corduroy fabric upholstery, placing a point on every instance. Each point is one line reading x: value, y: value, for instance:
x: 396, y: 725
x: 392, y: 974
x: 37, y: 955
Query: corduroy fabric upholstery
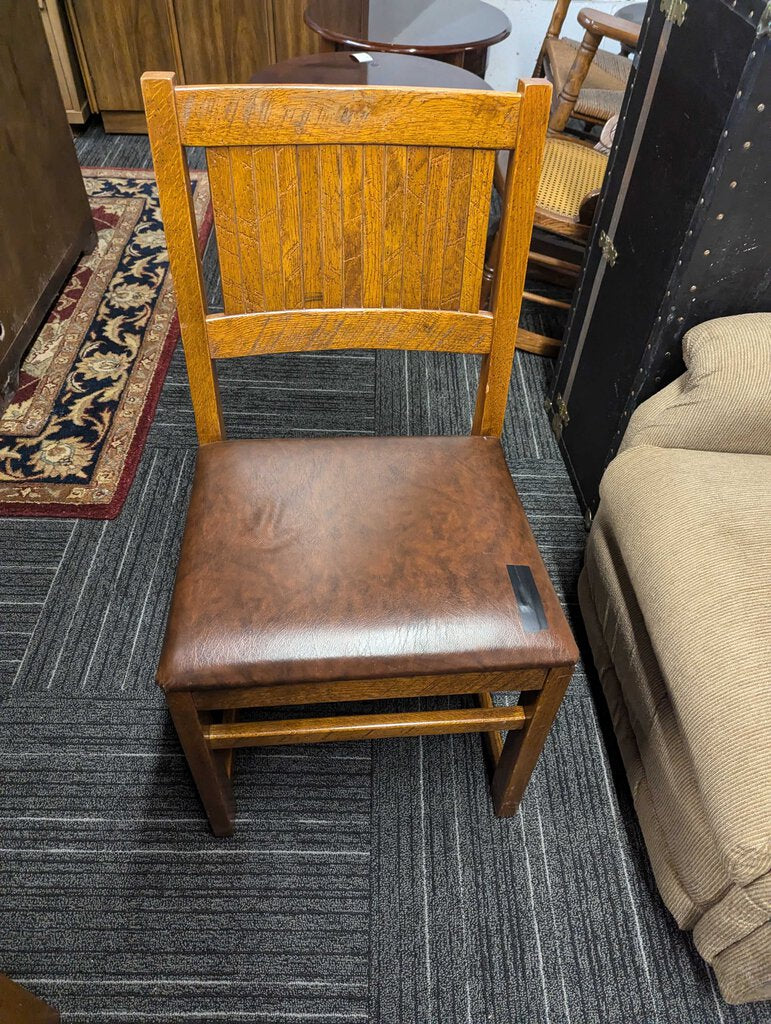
x: 675, y: 593
x: 570, y: 171
x: 723, y: 402
x: 603, y: 89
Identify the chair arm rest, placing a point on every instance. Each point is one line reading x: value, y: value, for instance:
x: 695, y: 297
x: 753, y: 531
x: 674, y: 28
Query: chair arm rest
x: 600, y: 24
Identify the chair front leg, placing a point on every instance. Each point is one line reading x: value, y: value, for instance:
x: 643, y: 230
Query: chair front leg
x: 208, y: 767
x: 523, y: 747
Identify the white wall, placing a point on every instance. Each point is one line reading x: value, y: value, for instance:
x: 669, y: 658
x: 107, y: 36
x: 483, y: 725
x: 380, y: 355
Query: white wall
x: 514, y: 57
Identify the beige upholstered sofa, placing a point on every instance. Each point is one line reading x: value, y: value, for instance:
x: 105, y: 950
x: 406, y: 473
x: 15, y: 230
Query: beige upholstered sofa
x: 676, y: 596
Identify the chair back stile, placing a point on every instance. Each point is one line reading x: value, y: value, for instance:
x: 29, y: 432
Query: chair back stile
x: 347, y: 218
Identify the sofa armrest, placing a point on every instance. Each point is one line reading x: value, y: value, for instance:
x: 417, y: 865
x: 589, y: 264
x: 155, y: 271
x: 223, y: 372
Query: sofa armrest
x: 722, y: 403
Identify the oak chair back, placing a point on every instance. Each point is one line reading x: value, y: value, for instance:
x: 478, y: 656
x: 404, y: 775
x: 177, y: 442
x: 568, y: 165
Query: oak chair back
x: 347, y: 218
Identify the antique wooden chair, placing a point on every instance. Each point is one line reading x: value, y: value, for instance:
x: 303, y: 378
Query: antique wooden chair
x: 315, y: 571
x: 589, y: 83
x: 569, y: 185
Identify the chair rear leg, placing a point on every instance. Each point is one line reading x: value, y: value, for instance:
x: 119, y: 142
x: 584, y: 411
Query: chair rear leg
x: 522, y: 748
x: 208, y: 767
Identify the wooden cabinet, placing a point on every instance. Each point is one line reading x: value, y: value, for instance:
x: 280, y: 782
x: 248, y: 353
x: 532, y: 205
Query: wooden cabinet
x: 292, y: 35
x: 202, y: 40
x: 45, y: 219
x: 116, y: 42
x: 65, y: 60
x: 236, y: 40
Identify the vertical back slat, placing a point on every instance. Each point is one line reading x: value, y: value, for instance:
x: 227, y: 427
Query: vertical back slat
x: 263, y: 166
x: 461, y: 161
x: 480, y: 194
x: 311, y: 225
x: 435, y: 226
x: 374, y: 173
x: 395, y: 185
x: 414, y: 218
x: 225, y: 222
x: 353, y: 223
x: 248, y: 227
x: 330, y: 170
x: 176, y: 198
x: 288, y: 193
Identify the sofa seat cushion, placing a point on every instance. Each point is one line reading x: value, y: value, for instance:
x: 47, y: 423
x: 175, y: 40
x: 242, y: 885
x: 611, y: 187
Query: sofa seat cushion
x: 694, y: 532
x: 731, y: 924
x: 685, y: 858
x: 354, y: 558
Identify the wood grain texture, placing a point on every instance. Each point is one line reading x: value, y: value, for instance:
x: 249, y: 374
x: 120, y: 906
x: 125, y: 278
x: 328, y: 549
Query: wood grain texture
x: 476, y: 228
x: 122, y: 39
x: 455, y: 237
x: 208, y: 767
x: 288, y: 694
x: 394, y: 206
x: 353, y: 223
x: 45, y: 217
x: 224, y: 40
x: 218, y: 162
x: 492, y: 740
x: 538, y: 344
x: 361, y: 727
x: 330, y: 235
x: 522, y: 749
x: 281, y: 115
x: 247, y: 229
x: 330, y: 166
x: 412, y: 233
x: 514, y: 243
x: 436, y: 202
x: 176, y: 200
x: 292, y: 36
x: 311, y: 221
x: 319, y: 329
x: 552, y: 32
x: 608, y: 26
x: 567, y: 98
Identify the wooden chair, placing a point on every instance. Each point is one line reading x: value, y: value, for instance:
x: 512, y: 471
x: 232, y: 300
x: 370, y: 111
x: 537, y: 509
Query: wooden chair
x: 317, y: 571
x: 571, y: 177
x: 589, y: 83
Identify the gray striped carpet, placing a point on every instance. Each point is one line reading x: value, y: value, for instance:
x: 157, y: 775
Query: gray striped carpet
x: 366, y: 882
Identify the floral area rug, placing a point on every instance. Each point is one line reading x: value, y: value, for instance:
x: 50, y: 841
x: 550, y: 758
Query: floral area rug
x: 72, y: 435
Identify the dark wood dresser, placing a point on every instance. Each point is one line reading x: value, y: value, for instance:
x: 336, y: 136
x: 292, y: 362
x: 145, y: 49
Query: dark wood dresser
x: 45, y: 219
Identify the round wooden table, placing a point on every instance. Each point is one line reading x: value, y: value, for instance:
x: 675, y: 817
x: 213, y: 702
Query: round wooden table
x: 384, y: 69
x: 456, y: 31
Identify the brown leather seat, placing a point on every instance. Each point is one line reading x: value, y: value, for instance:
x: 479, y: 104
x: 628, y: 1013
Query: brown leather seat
x: 323, y: 560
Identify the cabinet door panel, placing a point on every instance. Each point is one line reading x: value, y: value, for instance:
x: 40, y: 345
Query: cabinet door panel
x: 293, y: 37
x: 224, y: 40
x: 122, y: 39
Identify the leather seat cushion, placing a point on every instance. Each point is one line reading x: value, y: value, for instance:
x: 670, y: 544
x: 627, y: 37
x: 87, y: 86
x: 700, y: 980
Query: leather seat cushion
x: 353, y: 558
